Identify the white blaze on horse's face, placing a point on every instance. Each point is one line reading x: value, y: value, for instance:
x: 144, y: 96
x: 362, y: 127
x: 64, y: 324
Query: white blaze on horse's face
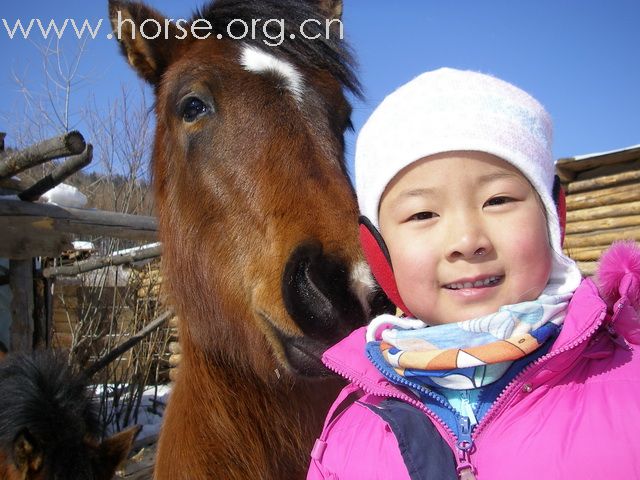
x: 363, y: 284
x: 253, y: 59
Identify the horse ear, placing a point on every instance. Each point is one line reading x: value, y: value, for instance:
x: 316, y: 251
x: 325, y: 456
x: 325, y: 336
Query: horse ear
x: 145, y: 37
x: 331, y: 8
x: 27, y: 454
x: 112, y: 452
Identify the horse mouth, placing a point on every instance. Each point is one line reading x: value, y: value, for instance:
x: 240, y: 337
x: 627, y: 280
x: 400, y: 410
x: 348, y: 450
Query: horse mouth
x: 303, y: 355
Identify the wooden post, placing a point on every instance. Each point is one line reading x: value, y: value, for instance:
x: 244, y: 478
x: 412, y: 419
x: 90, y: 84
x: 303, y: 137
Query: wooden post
x: 71, y: 143
x: 35, y: 229
x: 21, y: 282
x: 58, y: 175
x: 101, y: 262
x: 2, y: 135
x: 42, y: 311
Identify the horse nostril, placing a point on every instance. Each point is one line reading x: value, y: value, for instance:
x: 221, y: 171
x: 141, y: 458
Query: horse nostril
x: 317, y: 295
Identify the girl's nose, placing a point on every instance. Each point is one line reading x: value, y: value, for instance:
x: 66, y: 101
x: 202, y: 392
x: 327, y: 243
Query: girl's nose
x: 468, y: 240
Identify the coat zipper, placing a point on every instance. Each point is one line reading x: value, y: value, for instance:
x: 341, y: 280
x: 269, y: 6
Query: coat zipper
x: 467, y: 408
x: 464, y: 467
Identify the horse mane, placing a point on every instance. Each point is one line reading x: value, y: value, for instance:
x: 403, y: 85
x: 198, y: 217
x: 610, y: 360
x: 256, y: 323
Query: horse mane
x: 321, y: 53
x: 40, y: 392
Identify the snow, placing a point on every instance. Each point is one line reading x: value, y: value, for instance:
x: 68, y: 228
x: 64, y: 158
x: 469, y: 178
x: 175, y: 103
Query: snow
x: 136, y: 249
x: 598, y: 154
x: 83, y: 246
x: 152, y: 406
x: 65, y: 196
x: 150, y: 414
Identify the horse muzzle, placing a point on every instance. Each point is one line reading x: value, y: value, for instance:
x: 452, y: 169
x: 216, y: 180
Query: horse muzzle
x: 302, y: 354
x: 320, y: 295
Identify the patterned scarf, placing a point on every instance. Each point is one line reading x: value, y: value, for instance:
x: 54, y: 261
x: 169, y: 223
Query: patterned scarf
x: 468, y: 354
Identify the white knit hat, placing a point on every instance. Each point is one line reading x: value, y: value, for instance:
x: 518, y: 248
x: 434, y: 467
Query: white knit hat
x: 452, y: 110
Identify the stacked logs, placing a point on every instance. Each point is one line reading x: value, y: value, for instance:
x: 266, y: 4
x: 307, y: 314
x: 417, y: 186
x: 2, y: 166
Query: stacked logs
x: 174, y: 349
x: 603, y: 203
x: 151, y: 287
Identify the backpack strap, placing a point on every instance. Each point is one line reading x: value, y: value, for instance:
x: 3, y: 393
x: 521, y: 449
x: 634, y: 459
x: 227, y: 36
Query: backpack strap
x: 347, y: 396
x: 425, y: 453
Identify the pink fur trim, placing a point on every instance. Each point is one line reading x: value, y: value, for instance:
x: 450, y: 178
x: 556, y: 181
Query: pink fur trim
x: 619, y: 272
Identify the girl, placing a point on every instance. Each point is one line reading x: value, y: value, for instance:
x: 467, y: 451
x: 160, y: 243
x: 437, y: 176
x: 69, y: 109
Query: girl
x: 505, y: 364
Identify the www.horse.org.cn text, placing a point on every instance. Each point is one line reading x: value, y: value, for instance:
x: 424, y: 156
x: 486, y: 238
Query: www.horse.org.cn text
x: 273, y: 31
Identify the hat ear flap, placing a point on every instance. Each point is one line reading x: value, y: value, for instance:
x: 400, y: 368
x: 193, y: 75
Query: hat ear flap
x: 561, y: 206
x: 377, y: 255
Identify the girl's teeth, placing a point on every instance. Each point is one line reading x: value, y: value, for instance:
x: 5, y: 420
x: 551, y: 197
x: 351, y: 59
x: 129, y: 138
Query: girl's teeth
x: 479, y: 283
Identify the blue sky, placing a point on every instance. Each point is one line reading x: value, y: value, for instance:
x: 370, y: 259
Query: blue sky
x: 580, y: 58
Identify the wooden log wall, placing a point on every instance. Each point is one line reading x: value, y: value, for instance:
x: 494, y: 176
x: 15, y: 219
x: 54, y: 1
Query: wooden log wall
x: 603, y: 203
x: 71, y: 298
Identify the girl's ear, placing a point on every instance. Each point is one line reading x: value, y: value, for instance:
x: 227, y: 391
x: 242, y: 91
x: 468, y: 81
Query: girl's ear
x: 561, y: 206
x: 379, y: 260
x: 146, y: 37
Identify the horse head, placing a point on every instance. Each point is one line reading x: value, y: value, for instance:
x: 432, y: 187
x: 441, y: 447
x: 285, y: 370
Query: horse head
x: 257, y: 215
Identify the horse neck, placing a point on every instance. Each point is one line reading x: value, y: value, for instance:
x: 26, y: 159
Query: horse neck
x: 271, y: 425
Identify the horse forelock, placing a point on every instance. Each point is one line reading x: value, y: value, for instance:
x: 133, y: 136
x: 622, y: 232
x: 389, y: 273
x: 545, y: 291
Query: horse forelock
x: 318, y: 52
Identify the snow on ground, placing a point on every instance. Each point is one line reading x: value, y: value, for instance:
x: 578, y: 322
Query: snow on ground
x: 150, y: 412
x: 150, y: 415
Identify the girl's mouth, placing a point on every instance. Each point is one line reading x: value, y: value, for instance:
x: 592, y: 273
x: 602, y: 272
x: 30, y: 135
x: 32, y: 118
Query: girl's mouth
x: 482, y: 283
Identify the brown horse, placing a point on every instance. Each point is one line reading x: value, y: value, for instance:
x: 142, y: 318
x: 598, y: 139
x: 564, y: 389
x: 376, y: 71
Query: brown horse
x: 258, y: 223
x: 48, y: 426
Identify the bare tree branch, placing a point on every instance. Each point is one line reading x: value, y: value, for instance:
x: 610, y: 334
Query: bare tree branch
x: 132, y: 341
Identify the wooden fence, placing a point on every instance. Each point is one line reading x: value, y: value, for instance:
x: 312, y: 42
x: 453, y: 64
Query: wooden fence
x: 33, y: 231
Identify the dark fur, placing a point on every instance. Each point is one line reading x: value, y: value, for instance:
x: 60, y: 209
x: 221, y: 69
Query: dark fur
x: 48, y: 426
x: 39, y: 393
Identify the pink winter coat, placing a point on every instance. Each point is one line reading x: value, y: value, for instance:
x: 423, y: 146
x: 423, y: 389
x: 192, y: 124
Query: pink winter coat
x: 572, y: 414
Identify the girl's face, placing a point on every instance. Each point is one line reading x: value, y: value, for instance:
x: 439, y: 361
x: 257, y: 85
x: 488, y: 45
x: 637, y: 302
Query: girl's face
x: 466, y: 234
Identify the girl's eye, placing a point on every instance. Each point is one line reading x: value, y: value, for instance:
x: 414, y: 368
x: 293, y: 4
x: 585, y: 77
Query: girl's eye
x: 192, y: 109
x: 422, y: 216
x: 498, y: 201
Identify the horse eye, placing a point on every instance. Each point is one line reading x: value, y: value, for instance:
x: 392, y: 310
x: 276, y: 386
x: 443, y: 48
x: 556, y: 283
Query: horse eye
x: 192, y: 109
